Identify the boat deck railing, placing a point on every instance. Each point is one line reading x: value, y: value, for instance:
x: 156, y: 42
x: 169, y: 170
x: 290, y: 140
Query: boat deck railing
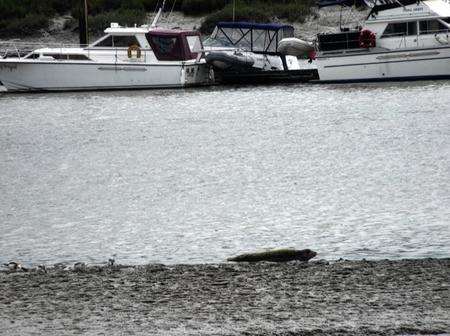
x: 59, y: 51
x: 21, y: 49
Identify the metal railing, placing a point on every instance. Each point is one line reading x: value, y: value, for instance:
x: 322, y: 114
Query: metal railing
x: 21, y: 49
x: 13, y: 49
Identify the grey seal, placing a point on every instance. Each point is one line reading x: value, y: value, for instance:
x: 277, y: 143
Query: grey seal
x: 278, y: 255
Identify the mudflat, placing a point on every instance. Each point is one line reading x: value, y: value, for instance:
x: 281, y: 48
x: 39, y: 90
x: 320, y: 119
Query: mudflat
x: 343, y: 297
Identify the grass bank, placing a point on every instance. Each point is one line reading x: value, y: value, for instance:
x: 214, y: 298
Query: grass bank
x: 28, y: 17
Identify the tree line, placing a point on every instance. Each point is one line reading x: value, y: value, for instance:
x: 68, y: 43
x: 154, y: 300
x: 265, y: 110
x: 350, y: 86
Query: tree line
x: 26, y: 17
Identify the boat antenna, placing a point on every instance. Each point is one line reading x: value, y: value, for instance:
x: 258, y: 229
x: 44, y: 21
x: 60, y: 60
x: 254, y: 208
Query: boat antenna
x: 171, y: 11
x: 234, y: 9
x: 86, y: 19
x: 158, y: 15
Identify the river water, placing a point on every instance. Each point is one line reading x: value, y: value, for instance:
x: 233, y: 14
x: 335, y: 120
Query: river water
x: 198, y: 175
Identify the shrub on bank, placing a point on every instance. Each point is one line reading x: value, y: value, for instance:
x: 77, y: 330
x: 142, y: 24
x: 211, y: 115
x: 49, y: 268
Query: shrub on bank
x: 28, y: 25
x: 262, y: 11
x: 243, y: 13
x: 96, y: 7
x: 197, y: 7
x: 28, y: 16
x: 124, y: 17
x: 297, y: 11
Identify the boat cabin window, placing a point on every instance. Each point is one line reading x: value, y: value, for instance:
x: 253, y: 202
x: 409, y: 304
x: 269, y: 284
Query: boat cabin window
x: 125, y: 41
x: 166, y: 48
x: 74, y: 57
x: 33, y: 56
x: 264, y: 40
x: 234, y: 37
x: 339, y: 41
x: 164, y: 44
x: 431, y: 27
x: 118, y: 41
x: 195, y: 44
x: 400, y: 29
x: 107, y: 42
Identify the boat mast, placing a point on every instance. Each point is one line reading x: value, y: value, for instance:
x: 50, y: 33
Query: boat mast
x: 83, y: 22
x: 158, y: 15
x: 86, y: 21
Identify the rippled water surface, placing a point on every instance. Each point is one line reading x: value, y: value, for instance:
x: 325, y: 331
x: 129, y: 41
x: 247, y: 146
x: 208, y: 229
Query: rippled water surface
x: 188, y: 176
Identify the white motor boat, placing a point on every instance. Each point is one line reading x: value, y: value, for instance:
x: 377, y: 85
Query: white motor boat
x: 400, y: 40
x: 243, y: 52
x: 125, y: 58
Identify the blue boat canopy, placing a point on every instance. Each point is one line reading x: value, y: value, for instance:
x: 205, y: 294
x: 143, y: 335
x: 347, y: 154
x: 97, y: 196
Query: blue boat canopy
x: 349, y: 3
x: 250, y: 36
x: 252, y: 25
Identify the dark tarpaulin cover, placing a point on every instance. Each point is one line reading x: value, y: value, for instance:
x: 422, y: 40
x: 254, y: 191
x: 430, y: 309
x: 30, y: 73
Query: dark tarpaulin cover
x: 170, y: 45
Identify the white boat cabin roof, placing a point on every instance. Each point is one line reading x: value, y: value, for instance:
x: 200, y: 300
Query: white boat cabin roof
x: 411, y: 10
x: 115, y: 29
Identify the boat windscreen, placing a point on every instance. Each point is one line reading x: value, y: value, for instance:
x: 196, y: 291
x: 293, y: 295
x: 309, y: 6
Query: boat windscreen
x: 239, y: 38
x: 265, y: 40
x: 166, y: 47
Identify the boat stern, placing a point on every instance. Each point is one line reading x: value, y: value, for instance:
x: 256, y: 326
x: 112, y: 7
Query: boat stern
x: 196, y: 74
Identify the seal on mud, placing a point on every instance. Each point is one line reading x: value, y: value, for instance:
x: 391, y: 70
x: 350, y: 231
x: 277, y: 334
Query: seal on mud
x: 279, y: 255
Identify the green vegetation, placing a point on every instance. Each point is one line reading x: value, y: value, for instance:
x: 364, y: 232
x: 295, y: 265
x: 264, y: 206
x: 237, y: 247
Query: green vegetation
x: 26, y: 17
x: 198, y: 7
x: 262, y: 11
x: 126, y: 17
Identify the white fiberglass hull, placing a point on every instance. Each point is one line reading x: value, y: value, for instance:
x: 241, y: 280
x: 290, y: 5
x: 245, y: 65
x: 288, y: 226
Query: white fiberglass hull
x: 30, y: 75
x: 408, y: 64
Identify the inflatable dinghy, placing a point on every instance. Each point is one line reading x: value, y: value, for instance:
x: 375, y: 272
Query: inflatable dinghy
x: 226, y: 60
x: 294, y: 46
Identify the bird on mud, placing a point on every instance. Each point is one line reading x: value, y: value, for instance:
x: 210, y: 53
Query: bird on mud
x: 79, y: 266
x: 15, y: 267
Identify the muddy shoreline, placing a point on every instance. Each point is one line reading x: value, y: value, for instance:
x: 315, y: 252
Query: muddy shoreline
x: 319, y: 298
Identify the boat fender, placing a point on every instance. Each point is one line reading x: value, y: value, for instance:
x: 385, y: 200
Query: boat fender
x: 135, y: 48
x: 311, y: 56
x: 367, y: 39
x: 294, y: 46
x: 441, y: 40
x: 224, y: 60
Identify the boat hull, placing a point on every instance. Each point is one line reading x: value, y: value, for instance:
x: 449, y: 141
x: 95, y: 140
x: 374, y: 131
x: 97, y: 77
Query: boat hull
x: 266, y: 77
x: 23, y: 75
x: 408, y: 64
